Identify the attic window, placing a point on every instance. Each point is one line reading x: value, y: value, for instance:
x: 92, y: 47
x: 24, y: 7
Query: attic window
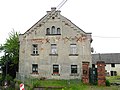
x: 48, y: 31
x: 58, y: 30
x: 53, y: 31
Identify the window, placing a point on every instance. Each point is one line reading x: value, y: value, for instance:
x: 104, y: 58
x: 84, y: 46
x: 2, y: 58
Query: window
x: 112, y: 65
x: 58, y: 30
x: 53, y: 48
x: 73, y: 49
x: 113, y: 73
x: 34, y: 68
x: 48, y: 31
x: 35, y: 49
x: 55, y: 69
x: 53, y: 30
x: 73, y: 69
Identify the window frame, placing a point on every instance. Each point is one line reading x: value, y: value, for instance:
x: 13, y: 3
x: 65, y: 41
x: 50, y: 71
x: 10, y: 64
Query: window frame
x: 48, y: 32
x: 35, y: 50
x: 112, y: 64
x: 74, y: 70
x: 53, y: 31
x: 56, y: 69
x: 73, y: 50
x: 58, y: 31
x: 35, y: 68
x: 54, y: 49
x: 113, y: 73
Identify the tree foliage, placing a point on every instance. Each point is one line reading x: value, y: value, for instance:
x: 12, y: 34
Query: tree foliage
x: 10, y: 58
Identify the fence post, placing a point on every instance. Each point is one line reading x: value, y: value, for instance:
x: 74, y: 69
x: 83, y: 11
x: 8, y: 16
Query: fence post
x: 85, y: 72
x: 101, y: 73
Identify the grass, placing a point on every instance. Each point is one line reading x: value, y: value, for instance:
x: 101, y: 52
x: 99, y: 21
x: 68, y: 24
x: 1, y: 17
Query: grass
x: 113, y: 79
x: 69, y: 84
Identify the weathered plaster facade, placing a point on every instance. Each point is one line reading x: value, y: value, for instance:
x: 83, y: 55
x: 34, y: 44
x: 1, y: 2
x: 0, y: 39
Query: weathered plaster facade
x: 68, y: 34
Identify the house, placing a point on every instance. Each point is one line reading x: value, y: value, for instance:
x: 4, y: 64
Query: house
x: 54, y: 48
x: 112, y: 61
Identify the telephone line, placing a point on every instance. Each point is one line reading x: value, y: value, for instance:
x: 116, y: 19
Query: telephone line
x: 61, y: 4
x: 104, y: 37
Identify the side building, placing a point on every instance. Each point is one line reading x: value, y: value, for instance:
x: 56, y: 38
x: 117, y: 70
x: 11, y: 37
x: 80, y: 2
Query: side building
x: 112, y: 61
x: 54, y: 48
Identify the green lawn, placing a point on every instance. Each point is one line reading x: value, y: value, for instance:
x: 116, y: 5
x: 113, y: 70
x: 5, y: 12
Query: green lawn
x: 113, y: 79
x: 69, y: 84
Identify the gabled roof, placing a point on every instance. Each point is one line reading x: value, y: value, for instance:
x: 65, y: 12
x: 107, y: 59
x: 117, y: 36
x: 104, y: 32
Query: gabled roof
x: 108, y: 58
x: 49, y: 14
x: 36, y: 23
x: 73, y: 24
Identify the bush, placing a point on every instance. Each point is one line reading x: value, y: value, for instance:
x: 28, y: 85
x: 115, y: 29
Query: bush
x: 36, y: 83
x: 107, y: 83
x: 8, y: 77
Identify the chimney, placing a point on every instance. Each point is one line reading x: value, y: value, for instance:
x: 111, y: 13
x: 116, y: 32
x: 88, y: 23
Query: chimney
x: 53, y: 9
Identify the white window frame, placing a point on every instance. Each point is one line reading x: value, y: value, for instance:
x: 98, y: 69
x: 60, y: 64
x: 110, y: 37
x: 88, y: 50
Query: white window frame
x: 35, y: 48
x: 53, y: 48
x: 73, y: 49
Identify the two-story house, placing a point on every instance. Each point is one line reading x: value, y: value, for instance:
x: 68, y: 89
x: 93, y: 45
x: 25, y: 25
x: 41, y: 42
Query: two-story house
x: 54, y: 48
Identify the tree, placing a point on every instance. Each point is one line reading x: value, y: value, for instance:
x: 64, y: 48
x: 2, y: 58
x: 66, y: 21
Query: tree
x: 10, y: 59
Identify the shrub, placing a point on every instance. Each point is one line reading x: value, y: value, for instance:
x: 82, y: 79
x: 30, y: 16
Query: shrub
x: 8, y: 77
x: 36, y: 83
x: 107, y: 83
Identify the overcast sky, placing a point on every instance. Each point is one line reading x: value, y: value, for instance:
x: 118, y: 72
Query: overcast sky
x: 101, y: 17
